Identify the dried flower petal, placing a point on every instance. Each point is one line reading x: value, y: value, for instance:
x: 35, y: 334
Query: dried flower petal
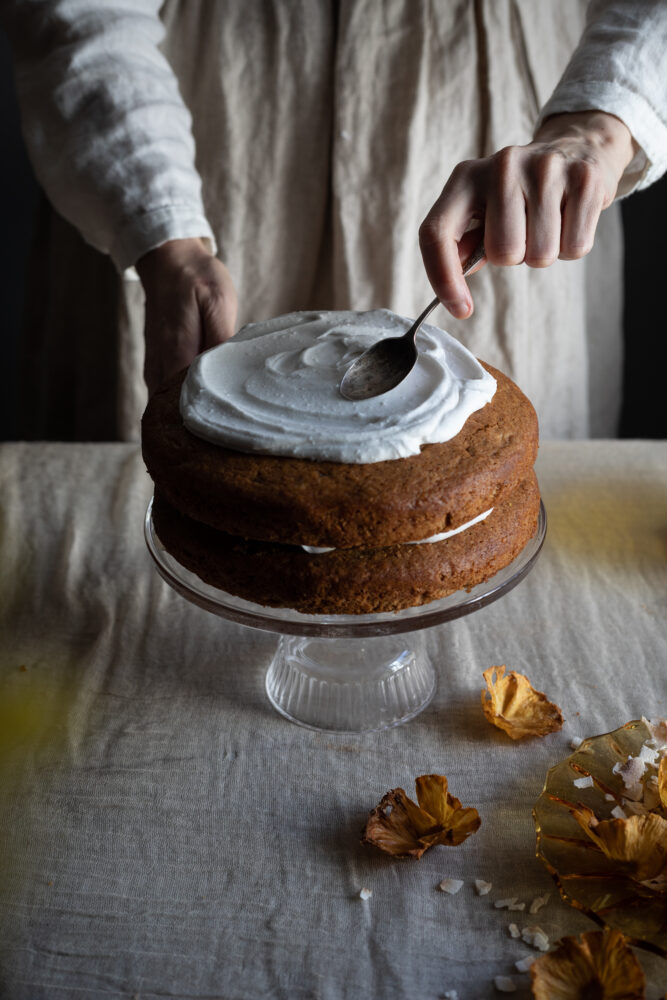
x: 403, y: 828
x: 512, y: 704
x: 638, y: 843
x: 455, y: 822
x: 662, y: 782
x: 599, y: 964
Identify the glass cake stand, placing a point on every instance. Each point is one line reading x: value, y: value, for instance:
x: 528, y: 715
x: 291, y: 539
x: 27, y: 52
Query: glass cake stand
x: 345, y: 673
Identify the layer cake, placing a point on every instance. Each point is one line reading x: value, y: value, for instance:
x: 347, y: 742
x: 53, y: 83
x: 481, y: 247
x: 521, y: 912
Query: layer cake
x: 272, y: 487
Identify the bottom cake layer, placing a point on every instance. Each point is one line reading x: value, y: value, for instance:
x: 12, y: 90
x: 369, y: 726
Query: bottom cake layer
x: 357, y: 580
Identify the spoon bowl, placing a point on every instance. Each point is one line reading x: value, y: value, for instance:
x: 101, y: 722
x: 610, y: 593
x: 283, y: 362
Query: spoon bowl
x: 386, y: 363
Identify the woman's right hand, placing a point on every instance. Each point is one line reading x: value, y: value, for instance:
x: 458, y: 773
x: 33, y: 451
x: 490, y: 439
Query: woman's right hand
x: 536, y: 203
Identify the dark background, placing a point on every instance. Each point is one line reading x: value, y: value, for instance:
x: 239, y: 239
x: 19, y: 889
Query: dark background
x: 644, y: 409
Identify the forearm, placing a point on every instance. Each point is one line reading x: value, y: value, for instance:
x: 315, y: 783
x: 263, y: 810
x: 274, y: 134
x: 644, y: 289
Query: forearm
x: 104, y: 122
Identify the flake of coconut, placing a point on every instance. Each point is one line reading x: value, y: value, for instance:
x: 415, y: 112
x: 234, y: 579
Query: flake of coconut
x: 519, y: 907
x: 609, y: 798
x: 483, y: 888
x: 365, y: 893
x: 524, y: 964
x: 585, y: 782
x: 538, y: 903
x: 451, y: 885
x: 631, y: 772
x: 657, y: 729
x: 504, y: 904
x: 576, y: 742
x: 618, y: 813
x: 648, y: 754
x: 535, y: 937
x: 450, y: 995
x: 514, y: 931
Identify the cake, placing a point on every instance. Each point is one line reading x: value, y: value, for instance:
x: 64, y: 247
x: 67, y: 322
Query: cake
x: 272, y: 487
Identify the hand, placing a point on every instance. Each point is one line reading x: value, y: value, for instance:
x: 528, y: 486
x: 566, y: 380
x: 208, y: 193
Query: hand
x: 537, y: 202
x: 190, y: 305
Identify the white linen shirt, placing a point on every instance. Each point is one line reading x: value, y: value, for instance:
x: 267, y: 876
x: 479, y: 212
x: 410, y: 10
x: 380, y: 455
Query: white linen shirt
x: 110, y: 137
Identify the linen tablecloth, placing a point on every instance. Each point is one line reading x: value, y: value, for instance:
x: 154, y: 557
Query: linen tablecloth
x: 164, y: 833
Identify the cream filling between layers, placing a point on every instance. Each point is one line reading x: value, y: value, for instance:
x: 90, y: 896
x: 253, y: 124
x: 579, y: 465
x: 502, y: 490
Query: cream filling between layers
x: 273, y: 389
x: 314, y: 550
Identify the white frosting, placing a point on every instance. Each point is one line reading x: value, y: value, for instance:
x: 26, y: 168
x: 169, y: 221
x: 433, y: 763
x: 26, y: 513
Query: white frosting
x: 273, y: 389
x: 314, y: 550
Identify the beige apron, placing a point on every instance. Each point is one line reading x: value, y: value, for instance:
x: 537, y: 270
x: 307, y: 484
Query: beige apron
x: 324, y: 132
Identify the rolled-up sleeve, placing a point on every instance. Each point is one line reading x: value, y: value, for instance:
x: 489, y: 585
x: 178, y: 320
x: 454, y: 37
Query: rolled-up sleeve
x: 106, y: 129
x: 619, y: 67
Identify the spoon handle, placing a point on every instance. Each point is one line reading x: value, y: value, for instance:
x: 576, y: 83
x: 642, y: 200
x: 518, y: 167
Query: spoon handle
x: 468, y: 265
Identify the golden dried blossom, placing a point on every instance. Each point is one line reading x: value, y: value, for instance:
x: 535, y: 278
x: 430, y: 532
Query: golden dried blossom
x: 597, y: 964
x: 637, y: 844
x: 512, y: 704
x: 662, y: 782
x: 404, y: 828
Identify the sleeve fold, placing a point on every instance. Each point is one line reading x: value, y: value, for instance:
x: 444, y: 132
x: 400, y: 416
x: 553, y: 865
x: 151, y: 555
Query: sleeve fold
x: 105, y: 125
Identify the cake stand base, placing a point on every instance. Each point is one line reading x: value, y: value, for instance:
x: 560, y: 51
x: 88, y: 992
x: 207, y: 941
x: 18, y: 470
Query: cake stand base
x: 348, y: 685
x: 345, y: 673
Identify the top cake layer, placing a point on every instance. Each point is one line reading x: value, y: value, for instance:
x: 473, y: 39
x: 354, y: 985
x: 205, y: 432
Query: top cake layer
x: 273, y: 389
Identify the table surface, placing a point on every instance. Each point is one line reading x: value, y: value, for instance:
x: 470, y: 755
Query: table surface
x: 163, y: 833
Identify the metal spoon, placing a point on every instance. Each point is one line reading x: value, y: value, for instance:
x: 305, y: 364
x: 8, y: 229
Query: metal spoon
x: 385, y: 364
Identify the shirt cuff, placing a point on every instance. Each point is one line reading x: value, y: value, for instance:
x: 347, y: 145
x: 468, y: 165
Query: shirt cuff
x: 646, y: 126
x: 152, y: 229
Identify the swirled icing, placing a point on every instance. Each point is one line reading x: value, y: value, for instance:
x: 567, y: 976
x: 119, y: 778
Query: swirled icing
x: 273, y: 389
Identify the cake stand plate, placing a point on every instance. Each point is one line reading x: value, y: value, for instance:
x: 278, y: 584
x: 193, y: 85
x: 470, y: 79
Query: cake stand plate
x: 345, y: 673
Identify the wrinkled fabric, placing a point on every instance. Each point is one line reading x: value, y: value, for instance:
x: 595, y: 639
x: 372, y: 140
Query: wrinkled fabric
x: 618, y: 66
x: 164, y: 833
x: 323, y: 132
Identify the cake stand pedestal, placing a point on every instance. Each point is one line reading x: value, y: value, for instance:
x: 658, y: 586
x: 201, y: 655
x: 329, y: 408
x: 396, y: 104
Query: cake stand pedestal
x: 345, y: 673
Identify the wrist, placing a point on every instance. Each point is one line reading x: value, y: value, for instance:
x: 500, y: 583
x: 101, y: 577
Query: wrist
x: 603, y: 133
x: 172, y: 255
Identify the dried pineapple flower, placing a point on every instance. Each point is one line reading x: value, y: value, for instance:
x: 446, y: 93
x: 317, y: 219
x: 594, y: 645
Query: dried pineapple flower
x: 598, y: 964
x: 638, y: 843
x: 662, y: 782
x: 512, y: 704
x: 400, y: 827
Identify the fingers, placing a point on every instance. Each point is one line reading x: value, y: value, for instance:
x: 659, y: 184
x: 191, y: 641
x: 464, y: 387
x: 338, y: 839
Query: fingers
x: 172, y: 339
x: 218, y: 308
x: 441, y: 240
x: 581, y: 211
x: 190, y: 306
x: 539, y: 202
x: 505, y: 219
